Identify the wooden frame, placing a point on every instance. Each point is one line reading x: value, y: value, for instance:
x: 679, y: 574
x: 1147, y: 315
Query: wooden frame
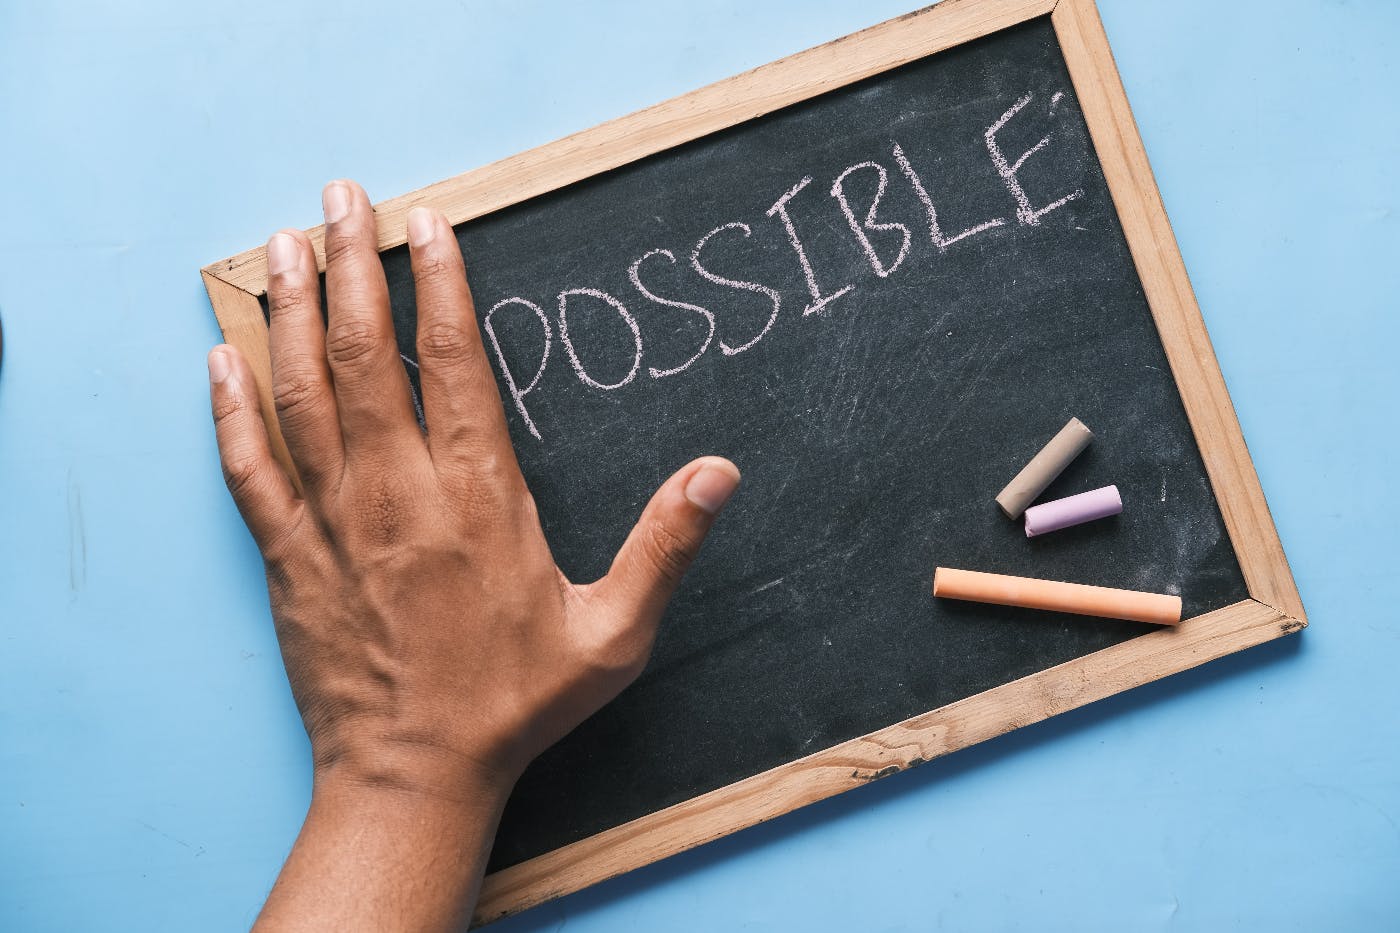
x: 1273, y: 608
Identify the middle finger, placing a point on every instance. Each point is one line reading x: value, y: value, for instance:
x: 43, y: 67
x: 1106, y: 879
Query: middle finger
x: 371, y: 387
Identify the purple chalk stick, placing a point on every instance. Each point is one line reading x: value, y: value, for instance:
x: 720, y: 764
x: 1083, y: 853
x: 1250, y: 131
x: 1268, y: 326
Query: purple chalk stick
x: 1072, y: 510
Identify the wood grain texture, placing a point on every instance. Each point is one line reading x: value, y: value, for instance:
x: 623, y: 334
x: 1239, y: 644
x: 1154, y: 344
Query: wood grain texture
x: 1168, y: 288
x: 896, y: 748
x: 241, y: 319
x: 676, y: 121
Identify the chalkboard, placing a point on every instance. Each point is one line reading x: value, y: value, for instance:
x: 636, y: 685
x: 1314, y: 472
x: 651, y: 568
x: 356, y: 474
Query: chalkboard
x: 879, y: 300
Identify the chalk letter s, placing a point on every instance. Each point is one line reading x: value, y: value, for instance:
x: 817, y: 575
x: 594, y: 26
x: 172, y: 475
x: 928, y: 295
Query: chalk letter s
x: 632, y: 273
x: 709, y: 276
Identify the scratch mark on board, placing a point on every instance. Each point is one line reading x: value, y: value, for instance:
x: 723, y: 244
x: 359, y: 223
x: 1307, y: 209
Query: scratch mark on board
x: 967, y: 394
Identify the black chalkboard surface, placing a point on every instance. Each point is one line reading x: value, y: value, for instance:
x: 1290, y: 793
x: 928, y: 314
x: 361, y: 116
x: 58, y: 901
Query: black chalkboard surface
x: 879, y: 297
x: 873, y: 431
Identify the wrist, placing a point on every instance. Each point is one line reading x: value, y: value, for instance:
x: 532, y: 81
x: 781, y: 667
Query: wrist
x: 419, y: 776
x: 456, y: 821
x: 397, y: 846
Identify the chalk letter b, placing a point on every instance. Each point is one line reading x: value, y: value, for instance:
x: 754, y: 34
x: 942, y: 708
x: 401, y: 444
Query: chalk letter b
x: 858, y: 227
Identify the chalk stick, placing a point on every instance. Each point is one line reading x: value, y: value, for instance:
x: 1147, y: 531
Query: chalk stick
x: 1072, y: 510
x: 1044, y: 467
x: 1029, y: 593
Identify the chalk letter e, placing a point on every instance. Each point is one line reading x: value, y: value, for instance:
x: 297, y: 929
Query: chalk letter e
x: 1024, y: 212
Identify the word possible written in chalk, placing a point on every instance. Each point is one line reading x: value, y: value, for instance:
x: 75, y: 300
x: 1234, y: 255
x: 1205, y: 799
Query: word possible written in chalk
x: 862, y: 224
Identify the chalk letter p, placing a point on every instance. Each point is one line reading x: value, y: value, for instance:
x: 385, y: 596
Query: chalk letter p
x: 518, y: 394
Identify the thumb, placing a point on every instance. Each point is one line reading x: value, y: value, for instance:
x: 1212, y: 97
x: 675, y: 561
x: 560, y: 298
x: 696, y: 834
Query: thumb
x: 665, y: 540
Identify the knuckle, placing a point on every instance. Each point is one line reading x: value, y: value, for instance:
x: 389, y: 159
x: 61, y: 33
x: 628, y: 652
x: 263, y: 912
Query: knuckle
x: 352, y: 342
x: 499, y: 478
x: 242, y: 474
x: 668, y: 551
x: 444, y: 341
x: 502, y: 473
x: 483, y: 504
x: 278, y: 560
x: 228, y: 407
x: 291, y: 558
x: 481, y: 501
x: 480, y: 473
x: 294, y: 394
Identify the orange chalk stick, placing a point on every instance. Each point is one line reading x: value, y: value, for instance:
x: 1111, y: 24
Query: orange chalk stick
x: 1030, y: 593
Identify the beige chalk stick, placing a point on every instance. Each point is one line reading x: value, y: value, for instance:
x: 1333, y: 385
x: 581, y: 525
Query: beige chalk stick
x: 1044, y: 467
x: 1030, y: 593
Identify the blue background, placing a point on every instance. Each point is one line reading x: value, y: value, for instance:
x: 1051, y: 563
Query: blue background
x: 152, y: 768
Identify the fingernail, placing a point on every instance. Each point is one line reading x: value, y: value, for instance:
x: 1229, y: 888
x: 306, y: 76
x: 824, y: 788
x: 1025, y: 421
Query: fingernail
x: 711, y: 487
x: 281, y: 254
x: 422, y: 226
x: 335, y: 201
x: 218, y: 365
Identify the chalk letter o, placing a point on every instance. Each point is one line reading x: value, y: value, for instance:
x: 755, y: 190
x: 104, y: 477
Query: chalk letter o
x: 621, y: 309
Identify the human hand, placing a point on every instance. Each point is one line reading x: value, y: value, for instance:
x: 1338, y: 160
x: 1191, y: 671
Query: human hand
x: 432, y: 644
